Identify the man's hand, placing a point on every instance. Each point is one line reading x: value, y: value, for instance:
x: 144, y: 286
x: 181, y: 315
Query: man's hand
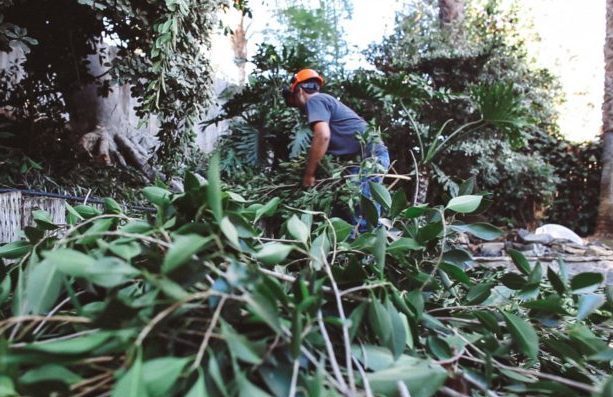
x: 308, y: 181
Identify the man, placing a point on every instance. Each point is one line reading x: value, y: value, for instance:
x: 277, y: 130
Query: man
x: 335, y: 130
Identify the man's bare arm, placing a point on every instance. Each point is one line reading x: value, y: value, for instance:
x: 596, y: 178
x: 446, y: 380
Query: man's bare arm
x: 319, y: 146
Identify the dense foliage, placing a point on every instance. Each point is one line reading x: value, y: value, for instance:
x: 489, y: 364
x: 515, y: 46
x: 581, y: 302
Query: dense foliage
x: 197, y: 301
x: 160, y: 50
x: 429, y: 83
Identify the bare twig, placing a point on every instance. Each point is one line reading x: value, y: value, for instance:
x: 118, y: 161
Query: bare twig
x: 161, y: 315
x: 363, y: 287
x: 330, y: 349
x: 402, y: 389
x: 367, y: 388
x: 294, y: 381
x: 207, y: 335
x: 341, y: 310
x: 450, y: 392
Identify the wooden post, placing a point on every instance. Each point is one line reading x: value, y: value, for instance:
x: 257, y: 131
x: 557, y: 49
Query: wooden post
x: 10, y: 216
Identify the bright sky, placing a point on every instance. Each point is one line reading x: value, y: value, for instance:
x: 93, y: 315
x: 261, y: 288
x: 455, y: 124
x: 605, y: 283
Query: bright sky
x: 572, y: 38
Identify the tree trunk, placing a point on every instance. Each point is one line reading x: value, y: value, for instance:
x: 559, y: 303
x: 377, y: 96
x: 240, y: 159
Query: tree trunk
x: 107, y: 126
x: 604, y: 225
x: 450, y: 11
x: 239, y: 45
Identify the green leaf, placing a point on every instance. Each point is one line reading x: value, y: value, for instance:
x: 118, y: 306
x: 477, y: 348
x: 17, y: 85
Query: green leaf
x: 111, y: 206
x: 198, y: 389
x: 484, y: 231
x: 369, y: 211
x: 379, y: 321
x: 87, y: 211
x: 399, y: 203
x: 588, y: 304
x: 520, y: 261
x: 488, y: 320
x: 478, y: 293
x: 403, y: 245
x: 169, y: 287
x: 95, y: 231
x: 416, y: 211
x: 110, y: 272
x: 230, y: 231
x: 43, y: 285
x: 586, y: 282
x: 523, y: 334
x: 458, y: 256
x: 161, y: 374
x: 536, y: 275
x: 126, y: 251
x: 72, y: 216
x: 240, y: 346
x: 342, y: 229
x: 298, y: 229
x: 157, y: 195
x: 5, y: 288
x: 268, y: 209
x: 556, y: 281
x: 380, y: 194
x: 432, y: 230
x: 69, y: 261
x: 265, y: 310
x: 273, y: 253
x: 319, y: 251
x: 50, y: 372
x: 455, y: 272
x: 248, y: 389
x: 551, y: 304
x: 513, y: 281
x: 7, y: 388
x: 373, y: 357
x: 439, y: 347
x: 191, y: 181
x: 132, y: 384
x: 43, y: 220
x: 15, y: 250
x: 379, y: 248
x: 398, y: 338
x: 213, y: 191
x: 181, y: 251
x: 73, y: 346
x: 422, y: 380
x: 464, y: 204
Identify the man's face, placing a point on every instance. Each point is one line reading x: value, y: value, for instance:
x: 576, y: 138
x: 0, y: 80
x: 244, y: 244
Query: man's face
x: 299, y: 98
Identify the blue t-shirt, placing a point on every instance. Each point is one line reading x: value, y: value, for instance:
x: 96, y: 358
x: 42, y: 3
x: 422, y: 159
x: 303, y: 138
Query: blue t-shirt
x: 344, y: 123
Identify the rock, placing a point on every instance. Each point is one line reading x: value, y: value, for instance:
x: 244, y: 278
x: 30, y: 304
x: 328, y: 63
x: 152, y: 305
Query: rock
x: 599, y: 251
x: 491, y: 249
x: 532, y: 249
x: 559, y: 232
x: 569, y: 249
x: 536, y: 238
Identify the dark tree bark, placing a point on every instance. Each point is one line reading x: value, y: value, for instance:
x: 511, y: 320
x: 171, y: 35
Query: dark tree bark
x: 604, y: 226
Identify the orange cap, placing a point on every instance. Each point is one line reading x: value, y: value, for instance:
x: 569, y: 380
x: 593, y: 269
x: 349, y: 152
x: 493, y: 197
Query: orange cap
x: 304, y: 75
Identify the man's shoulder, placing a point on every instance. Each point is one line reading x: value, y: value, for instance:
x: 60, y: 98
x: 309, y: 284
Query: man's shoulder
x: 322, y: 97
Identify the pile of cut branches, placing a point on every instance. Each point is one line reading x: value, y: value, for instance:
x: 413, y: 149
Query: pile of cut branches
x: 197, y: 301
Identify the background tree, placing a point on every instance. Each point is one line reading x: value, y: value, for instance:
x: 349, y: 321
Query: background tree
x: 161, y: 54
x: 318, y: 27
x: 605, y: 209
